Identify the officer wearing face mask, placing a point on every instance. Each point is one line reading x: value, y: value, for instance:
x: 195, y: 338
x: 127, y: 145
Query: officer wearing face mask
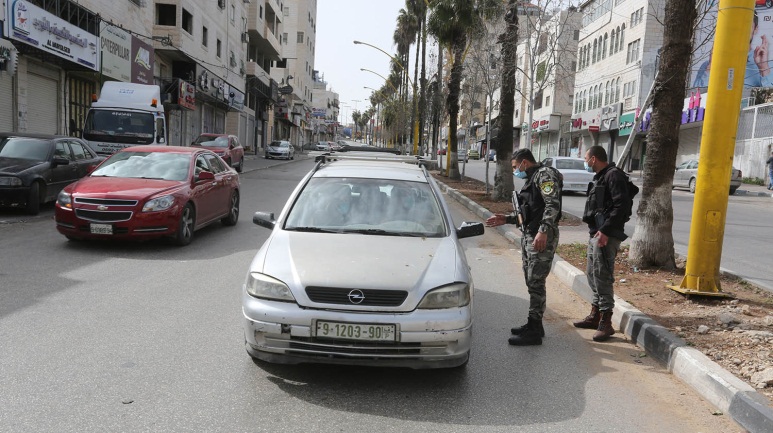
x: 540, y: 200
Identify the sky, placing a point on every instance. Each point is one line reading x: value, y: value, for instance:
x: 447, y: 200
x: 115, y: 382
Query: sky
x: 338, y: 59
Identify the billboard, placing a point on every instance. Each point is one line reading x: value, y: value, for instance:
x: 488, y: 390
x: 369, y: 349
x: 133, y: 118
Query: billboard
x: 758, y: 62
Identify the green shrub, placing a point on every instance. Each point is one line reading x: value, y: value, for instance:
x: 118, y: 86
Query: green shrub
x: 753, y: 181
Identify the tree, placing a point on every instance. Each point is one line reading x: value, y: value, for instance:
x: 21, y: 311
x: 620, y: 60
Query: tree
x: 652, y: 243
x: 451, y: 22
x: 356, y: 116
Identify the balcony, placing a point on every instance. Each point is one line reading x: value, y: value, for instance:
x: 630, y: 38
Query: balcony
x: 254, y: 69
x: 264, y: 30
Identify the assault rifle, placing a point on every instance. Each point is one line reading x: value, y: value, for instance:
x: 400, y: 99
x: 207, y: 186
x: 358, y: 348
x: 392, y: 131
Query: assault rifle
x: 518, y: 212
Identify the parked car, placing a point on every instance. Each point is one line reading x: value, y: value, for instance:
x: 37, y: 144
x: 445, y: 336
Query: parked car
x: 335, y: 146
x: 225, y: 146
x: 492, y: 155
x: 323, y: 146
x: 767, y: 3
x: 686, y: 176
x: 280, y: 149
x: 362, y: 266
x: 145, y: 192
x: 473, y: 154
x: 441, y: 151
x: 35, y: 167
x: 576, y: 178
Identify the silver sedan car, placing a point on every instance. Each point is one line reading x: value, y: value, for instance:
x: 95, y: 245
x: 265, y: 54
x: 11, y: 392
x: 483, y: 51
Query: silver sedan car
x: 686, y: 176
x: 280, y: 149
x: 576, y: 177
x: 363, y: 266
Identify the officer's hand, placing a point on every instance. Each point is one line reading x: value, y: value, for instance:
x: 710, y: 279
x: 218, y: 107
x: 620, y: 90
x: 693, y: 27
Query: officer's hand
x: 601, y: 239
x: 495, y: 220
x: 540, y: 241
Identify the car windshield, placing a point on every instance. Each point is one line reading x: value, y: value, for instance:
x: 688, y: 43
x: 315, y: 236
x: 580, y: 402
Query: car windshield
x: 278, y: 144
x: 146, y: 165
x: 570, y: 164
x: 367, y: 206
x: 24, y: 148
x: 211, y: 141
x: 116, y: 126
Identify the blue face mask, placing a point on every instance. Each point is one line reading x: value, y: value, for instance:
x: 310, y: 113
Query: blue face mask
x: 519, y: 174
x: 588, y: 167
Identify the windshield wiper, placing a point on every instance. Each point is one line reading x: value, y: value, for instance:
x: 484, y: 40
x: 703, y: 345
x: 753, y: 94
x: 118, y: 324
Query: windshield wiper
x: 374, y: 232
x: 311, y: 230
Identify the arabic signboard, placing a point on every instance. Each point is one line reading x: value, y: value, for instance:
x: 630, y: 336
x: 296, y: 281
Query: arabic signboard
x: 36, y: 27
x: 626, y: 123
x: 187, y: 98
x: 116, y: 52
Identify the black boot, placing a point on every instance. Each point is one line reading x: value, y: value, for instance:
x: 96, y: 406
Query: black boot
x: 531, y: 336
x: 531, y: 322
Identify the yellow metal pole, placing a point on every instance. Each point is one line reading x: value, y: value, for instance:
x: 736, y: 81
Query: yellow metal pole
x: 707, y: 229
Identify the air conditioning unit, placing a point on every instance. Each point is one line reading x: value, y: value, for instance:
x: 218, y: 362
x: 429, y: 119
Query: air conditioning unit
x: 245, y: 37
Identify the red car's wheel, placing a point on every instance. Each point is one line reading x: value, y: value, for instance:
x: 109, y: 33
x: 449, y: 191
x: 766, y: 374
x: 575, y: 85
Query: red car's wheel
x: 185, y: 228
x: 233, y: 212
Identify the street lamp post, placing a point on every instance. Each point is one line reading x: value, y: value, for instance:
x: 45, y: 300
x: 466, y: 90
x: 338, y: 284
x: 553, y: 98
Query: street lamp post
x: 415, y: 100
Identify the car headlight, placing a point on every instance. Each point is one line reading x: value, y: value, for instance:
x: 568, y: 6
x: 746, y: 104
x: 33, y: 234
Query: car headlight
x: 10, y: 181
x: 453, y: 296
x: 265, y: 287
x: 158, y: 204
x: 64, y: 200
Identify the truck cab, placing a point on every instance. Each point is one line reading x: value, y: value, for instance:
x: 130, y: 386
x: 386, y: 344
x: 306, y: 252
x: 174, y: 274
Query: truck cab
x: 126, y: 114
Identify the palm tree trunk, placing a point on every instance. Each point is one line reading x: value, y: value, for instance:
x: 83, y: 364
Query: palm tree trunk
x: 503, y: 178
x: 652, y: 243
x: 454, y: 87
x: 423, y: 81
x: 415, y: 101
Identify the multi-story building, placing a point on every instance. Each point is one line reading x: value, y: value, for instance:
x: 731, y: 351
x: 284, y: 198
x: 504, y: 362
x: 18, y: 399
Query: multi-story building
x: 295, y: 70
x: 548, y: 63
x: 324, y: 110
x: 616, y: 62
x: 203, y: 54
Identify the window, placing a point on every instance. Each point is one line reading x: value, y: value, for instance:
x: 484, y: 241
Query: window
x: 541, y: 71
x: 260, y: 12
x: 606, y: 94
x: 633, y: 52
x: 612, y: 42
x: 221, y: 4
x: 286, y: 11
x: 637, y: 17
x: 576, y: 35
x: 629, y: 89
x: 233, y: 14
x: 187, y: 22
x: 166, y: 15
x: 300, y: 38
x: 595, y: 43
x: 621, y: 38
x: 219, y: 49
x: 284, y: 38
x: 538, y: 100
x: 204, y: 36
x: 547, y: 101
x: 617, y: 90
x: 604, y: 48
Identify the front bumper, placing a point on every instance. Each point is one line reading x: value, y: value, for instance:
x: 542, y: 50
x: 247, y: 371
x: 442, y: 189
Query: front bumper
x: 139, y: 226
x: 282, y: 332
x: 283, y: 155
x: 14, y: 195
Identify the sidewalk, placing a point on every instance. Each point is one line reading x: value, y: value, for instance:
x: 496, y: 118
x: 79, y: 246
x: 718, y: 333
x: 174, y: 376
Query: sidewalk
x: 744, y: 189
x: 718, y: 386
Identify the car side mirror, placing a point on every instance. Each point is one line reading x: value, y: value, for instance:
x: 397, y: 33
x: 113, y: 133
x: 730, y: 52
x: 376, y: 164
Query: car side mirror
x: 58, y: 160
x: 205, y: 175
x: 264, y: 219
x: 468, y: 229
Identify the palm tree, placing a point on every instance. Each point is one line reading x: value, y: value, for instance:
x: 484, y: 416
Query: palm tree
x: 451, y: 22
x: 356, y: 115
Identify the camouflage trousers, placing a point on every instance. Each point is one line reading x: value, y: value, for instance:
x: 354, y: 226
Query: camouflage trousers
x: 601, y: 272
x: 536, y: 267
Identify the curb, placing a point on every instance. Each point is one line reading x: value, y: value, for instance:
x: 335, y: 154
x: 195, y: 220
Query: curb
x: 718, y: 386
x: 753, y: 193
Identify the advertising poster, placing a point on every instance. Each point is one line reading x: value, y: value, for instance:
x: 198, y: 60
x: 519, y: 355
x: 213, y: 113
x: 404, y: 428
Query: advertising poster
x: 758, y: 59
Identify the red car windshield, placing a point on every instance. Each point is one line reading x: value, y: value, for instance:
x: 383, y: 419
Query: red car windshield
x: 146, y: 165
x: 211, y: 141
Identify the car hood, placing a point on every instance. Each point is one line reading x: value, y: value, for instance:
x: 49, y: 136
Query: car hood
x: 17, y: 165
x: 413, y: 264
x: 121, y: 187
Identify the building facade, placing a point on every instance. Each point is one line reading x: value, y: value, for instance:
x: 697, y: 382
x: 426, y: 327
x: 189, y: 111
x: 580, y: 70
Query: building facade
x: 324, y: 110
x: 211, y: 59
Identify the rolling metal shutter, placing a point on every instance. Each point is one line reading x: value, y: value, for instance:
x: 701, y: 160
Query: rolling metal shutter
x: 42, y: 104
x: 6, y: 108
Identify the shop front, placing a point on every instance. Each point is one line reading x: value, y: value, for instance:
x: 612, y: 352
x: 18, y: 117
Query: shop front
x: 8, y: 59
x: 60, y: 65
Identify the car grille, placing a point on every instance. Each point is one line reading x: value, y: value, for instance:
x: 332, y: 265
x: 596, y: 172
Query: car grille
x: 370, y: 297
x: 105, y: 202
x: 103, y: 216
x: 324, y: 347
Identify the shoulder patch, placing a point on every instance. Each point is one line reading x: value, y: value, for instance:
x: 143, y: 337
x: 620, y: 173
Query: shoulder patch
x: 548, y: 187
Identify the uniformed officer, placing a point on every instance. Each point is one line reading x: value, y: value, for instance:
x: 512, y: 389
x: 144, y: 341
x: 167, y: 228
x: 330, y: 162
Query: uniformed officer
x: 540, y: 202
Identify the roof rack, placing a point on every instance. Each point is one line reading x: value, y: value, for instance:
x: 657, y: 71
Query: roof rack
x: 325, y: 157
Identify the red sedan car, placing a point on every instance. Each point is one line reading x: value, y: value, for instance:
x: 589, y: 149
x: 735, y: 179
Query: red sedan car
x: 767, y: 3
x: 146, y: 192
x: 225, y: 146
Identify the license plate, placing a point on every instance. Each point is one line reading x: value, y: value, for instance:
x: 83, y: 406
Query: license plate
x: 101, y: 229
x: 355, y: 331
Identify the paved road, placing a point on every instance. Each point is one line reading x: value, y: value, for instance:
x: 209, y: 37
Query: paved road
x: 147, y: 337
x: 748, y: 229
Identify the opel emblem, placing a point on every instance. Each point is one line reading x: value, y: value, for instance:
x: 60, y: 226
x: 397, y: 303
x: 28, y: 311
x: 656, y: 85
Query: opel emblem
x: 356, y: 296
x: 101, y: 207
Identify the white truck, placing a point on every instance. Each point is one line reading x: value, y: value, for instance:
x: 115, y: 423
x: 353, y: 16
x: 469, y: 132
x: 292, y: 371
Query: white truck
x: 126, y: 114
